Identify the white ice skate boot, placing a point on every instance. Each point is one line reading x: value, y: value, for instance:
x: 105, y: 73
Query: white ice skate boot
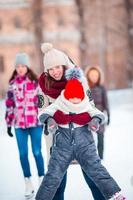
x: 40, y: 179
x: 29, y: 190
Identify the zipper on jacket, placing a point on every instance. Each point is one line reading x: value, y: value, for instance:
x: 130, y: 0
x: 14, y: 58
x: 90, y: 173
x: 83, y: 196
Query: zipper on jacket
x: 24, y: 104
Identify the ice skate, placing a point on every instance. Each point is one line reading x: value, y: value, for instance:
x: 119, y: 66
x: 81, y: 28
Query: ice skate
x: 118, y: 196
x: 29, y: 190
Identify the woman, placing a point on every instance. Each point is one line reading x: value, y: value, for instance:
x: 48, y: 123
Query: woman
x: 52, y: 82
x: 22, y: 114
x: 99, y: 95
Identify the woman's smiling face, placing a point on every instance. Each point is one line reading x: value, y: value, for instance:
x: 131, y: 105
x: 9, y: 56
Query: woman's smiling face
x: 56, y: 72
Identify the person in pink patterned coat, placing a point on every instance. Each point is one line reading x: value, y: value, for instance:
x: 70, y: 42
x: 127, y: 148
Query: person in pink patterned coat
x: 22, y: 114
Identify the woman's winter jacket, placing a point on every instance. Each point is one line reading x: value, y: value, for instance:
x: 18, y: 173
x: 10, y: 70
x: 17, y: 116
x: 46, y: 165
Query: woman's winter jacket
x: 22, y: 103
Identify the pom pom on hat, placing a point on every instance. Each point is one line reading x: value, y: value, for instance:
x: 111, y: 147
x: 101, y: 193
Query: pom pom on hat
x: 45, y: 47
x: 74, y: 87
x: 53, y: 57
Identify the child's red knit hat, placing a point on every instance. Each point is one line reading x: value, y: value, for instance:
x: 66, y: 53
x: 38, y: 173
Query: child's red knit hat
x: 74, y: 88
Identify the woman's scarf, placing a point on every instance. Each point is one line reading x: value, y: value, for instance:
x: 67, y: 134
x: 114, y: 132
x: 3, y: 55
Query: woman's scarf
x: 55, y: 88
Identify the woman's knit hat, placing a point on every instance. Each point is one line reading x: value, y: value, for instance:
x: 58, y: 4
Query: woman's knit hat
x: 53, y: 57
x: 74, y: 87
x: 23, y: 59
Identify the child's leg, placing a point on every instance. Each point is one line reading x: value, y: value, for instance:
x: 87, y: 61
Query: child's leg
x: 58, y: 164
x: 36, y: 140
x: 48, y: 140
x: 22, y: 142
x: 59, y: 195
x: 91, y: 164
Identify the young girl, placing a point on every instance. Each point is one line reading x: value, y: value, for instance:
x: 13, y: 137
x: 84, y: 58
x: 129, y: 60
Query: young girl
x: 52, y: 82
x: 22, y: 114
x: 73, y: 140
x: 99, y: 95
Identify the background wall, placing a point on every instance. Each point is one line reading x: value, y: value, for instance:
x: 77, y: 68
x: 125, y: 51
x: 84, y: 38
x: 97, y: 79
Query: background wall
x: 97, y: 32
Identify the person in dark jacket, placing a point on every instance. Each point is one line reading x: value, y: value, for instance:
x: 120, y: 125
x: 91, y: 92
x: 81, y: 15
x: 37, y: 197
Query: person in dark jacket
x: 73, y: 139
x: 94, y: 77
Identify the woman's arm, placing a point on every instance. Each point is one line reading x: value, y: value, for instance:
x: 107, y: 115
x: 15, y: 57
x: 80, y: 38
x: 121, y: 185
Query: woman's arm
x: 10, y: 105
x: 43, y: 100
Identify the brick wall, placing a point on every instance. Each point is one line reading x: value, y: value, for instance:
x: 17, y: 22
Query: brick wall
x: 106, y: 31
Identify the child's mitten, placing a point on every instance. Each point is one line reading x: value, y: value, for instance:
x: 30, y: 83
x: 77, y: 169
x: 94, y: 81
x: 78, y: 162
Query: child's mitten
x: 52, y: 125
x: 94, y: 124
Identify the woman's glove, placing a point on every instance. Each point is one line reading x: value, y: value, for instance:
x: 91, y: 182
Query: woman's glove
x: 45, y: 129
x: 94, y: 124
x: 9, y: 132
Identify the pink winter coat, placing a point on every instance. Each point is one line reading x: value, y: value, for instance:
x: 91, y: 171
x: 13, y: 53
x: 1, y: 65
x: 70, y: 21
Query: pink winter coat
x: 22, y: 103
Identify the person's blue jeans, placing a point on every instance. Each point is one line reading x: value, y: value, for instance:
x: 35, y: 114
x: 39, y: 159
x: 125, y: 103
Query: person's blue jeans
x: 35, y: 134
